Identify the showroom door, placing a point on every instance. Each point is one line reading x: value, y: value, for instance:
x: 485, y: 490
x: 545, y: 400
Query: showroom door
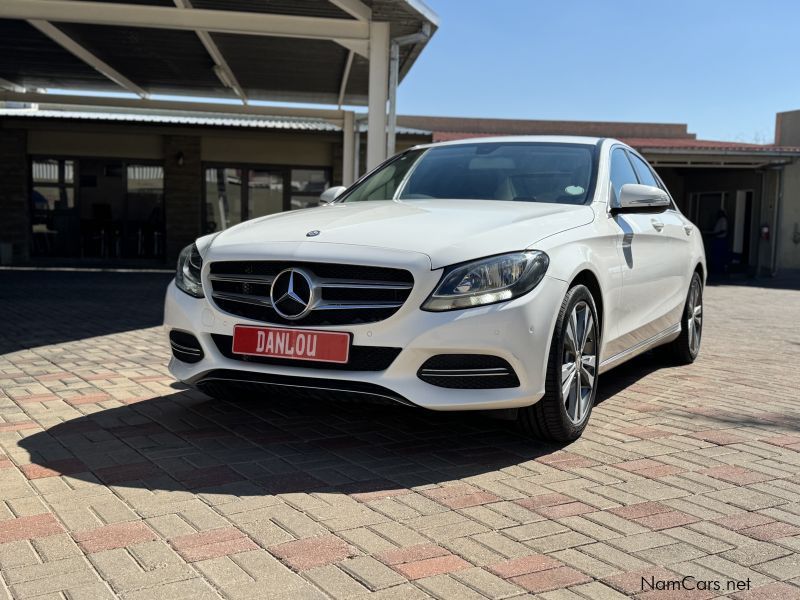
x: 55, y: 219
x: 102, y: 206
x: 265, y: 192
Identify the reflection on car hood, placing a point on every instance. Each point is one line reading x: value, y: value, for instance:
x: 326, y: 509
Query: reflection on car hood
x: 448, y: 231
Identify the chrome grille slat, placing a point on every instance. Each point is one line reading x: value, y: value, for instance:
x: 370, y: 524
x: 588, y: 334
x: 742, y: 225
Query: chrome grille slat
x: 244, y: 298
x: 356, y: 306
x: 361, y: 285
x: 344, y: 294
x: 263, y: 279
x: 186, y: 349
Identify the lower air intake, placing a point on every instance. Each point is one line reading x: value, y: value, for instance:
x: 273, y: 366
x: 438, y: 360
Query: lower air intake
x: 468, y: 372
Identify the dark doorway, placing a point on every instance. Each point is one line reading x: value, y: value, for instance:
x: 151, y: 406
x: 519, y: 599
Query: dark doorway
x: 704, y: 210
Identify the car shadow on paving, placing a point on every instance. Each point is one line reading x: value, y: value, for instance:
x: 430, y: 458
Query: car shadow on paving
x: 41, y: 308
x: 185, y: 441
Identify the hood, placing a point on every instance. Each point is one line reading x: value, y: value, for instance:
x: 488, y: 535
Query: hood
x: 448, y: 231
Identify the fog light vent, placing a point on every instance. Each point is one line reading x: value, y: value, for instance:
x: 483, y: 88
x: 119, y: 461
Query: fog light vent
x: 185, y: 347
x: 468, y: 371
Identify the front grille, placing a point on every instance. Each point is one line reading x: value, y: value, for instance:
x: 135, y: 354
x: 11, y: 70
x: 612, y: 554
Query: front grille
x: 362, y: 358
x: 185, y: 346
x: 468, y: 371
x: 348, y: 294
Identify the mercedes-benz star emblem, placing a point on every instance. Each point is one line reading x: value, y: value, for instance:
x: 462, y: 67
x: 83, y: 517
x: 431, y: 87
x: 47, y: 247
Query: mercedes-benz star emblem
x: 292, y: 294
x: 313, y: 233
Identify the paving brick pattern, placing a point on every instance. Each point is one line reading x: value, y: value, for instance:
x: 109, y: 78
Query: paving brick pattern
x: 117, y: 482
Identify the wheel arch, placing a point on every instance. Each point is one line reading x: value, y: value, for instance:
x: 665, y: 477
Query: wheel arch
x: 700, y: 270
x: 588, y: 278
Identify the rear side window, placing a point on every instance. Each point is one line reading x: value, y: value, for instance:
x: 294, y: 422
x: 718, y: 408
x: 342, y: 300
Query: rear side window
x: 643, y: 171
x: 621, y: 171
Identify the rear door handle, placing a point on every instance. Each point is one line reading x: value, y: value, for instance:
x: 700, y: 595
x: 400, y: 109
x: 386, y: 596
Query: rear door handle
x: 688, y: 229
x: 657, y: 225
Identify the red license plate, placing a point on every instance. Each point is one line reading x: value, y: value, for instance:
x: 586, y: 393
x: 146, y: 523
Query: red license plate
x: 297, y: 344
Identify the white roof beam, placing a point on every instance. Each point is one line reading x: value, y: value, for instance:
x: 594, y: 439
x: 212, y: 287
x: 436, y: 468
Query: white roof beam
x: 345, y: 76
x: 360, y: 47
x: 332, y: 115
x: 222, y: 68
x: 355, y: 8
x: 11, y: 86
x: 360, y: 11
x: 198, y: 19
x: 66, y: 42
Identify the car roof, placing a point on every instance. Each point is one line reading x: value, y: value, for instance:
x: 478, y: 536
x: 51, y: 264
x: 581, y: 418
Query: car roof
x: 552, y: 139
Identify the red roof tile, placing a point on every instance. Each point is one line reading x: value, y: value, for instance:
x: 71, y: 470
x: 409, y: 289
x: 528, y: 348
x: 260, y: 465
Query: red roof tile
x: 686, y: 144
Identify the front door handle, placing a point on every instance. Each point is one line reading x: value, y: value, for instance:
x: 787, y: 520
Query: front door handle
x: 657, y: 225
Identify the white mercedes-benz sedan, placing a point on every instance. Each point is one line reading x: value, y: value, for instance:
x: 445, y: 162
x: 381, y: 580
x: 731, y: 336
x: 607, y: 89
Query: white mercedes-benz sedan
x: 497, y: 273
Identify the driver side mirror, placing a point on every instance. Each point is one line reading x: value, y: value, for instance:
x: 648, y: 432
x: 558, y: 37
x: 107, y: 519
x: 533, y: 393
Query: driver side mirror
x: 331, y: 194
x: 635, y: 197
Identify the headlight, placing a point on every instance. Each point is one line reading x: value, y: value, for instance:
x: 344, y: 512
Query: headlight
x: 188, y: 276
x: 489, y: 280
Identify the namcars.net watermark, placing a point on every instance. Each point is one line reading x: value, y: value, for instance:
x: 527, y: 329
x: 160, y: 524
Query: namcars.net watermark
x: 690, y: 583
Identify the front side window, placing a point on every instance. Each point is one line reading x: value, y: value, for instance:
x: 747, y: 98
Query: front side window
x: 509, y: 171
x: 621, y: 171
x: 643, y: 171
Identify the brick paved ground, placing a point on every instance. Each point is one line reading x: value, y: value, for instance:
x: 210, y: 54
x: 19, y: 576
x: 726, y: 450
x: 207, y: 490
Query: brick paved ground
x: 116, y: 481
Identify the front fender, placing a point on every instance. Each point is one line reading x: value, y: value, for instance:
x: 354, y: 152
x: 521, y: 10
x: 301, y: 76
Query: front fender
x: 577, y: 251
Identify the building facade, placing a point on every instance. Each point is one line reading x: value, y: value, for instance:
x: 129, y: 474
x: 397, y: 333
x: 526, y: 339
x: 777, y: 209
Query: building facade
x: 94, y: 188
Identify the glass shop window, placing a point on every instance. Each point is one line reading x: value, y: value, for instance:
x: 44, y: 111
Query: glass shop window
x: 307, y: 185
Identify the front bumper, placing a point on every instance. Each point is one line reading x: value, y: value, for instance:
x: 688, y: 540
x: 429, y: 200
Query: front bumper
x: 518, y: 331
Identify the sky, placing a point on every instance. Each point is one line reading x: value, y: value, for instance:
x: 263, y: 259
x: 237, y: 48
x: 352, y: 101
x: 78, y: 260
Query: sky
x: 724, y: 67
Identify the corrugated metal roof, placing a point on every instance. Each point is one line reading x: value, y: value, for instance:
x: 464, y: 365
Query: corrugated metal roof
x: 171, y: 61
x: 200, y: 119
x: 300, y: 124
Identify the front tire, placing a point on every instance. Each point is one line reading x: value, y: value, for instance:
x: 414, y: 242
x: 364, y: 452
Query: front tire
x: 571, y: 378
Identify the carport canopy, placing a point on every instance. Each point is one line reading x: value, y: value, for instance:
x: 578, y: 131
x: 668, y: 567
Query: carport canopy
x: 327, y: 52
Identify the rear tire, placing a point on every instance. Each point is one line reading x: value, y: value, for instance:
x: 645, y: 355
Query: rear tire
x: 563, y: 412
x: 685, y: 348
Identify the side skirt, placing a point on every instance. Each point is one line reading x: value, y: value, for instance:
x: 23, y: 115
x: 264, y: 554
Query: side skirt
x: 660, y: 338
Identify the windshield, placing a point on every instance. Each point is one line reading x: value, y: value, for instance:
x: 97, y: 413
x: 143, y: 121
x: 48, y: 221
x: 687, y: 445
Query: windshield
x: 510, y: 171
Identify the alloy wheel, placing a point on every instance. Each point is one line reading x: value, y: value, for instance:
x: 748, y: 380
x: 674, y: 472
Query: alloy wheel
x: 579, y: 362
x: 694, y: 322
